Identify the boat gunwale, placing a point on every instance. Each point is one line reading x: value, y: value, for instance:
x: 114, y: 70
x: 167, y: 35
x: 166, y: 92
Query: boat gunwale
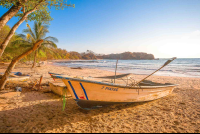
x: 53, y: 84
x: 112, y: 84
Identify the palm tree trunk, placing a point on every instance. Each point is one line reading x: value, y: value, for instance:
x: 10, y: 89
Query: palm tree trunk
x: 3, y: 80
x: 9, y: 14
x: 11, y: 33
x: 14, y: 28
x: 35, y: 57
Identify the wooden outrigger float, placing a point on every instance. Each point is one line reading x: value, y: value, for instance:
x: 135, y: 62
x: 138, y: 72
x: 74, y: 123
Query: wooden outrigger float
x: 59, y: 89
x: 93, y: 93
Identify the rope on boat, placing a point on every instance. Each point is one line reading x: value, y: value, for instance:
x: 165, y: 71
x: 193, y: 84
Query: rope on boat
x: 64, y: 99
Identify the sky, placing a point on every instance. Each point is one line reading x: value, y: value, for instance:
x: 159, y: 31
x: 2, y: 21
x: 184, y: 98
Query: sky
x: 164, y: 28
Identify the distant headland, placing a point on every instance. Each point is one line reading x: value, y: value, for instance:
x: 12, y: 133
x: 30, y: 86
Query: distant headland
x: 128, y: 56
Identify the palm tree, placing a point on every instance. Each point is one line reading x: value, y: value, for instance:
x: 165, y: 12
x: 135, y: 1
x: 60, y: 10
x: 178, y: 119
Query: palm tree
x: 38, y: 32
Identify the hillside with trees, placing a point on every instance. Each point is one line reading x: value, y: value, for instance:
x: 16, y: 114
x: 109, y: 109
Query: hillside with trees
x: 128, y: 56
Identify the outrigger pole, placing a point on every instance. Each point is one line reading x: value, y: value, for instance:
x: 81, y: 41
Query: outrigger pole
x: 166, y: 63
x: 115, y: 70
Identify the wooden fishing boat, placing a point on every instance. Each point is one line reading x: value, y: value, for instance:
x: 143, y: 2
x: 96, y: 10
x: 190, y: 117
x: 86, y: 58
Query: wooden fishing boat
x: 90, y: 94
x: 51, y: 74
x: 60, y: 89
x: 95, y: 92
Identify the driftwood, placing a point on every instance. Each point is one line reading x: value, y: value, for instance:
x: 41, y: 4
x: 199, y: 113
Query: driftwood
x: 40, y: 82
x: 76, y: 68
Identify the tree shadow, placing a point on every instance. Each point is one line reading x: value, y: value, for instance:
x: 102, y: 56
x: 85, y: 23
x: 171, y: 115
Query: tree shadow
x: 19, y: 67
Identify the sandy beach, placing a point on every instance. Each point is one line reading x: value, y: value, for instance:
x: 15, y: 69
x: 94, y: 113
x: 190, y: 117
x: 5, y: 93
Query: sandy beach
x: 39, y: 111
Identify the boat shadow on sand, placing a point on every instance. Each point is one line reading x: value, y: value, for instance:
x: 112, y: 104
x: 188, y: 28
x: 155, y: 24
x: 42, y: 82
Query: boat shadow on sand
x: 47, y: 116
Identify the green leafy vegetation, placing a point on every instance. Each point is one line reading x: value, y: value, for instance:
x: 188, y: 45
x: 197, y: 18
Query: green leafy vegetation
x: 27, y: 10
x: 38, y: 32
x: 10, y: 51
x: 64, y: 99
x: 48, y: 50
x: 42, y: 12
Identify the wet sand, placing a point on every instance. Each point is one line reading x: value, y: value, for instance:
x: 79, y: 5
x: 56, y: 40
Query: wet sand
x: 39, y: 111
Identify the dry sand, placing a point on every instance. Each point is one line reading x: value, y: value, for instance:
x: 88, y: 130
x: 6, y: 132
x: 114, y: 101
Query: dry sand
x: 37, y: 111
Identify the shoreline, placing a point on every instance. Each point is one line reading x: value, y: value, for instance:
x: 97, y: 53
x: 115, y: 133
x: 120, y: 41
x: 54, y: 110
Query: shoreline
x: 92, y: 72
x: 159, y: 73
x: 120, y: 71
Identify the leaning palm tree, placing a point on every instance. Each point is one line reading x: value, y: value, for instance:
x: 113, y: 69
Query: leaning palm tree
x: 38, y: 32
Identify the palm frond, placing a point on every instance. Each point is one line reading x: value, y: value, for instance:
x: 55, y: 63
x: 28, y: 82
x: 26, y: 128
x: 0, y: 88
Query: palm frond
x: 21, y: 36
x: 26, y: 45
x: 35, y: 28
x: 29, y: 31
x: 50, y: 38
x: 30, y: 38
x: 41, y: 30
x: 49, y: 44
x: 21, y: 44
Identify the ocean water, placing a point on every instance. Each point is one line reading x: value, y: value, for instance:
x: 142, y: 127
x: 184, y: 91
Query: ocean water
x: 183, y: 67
